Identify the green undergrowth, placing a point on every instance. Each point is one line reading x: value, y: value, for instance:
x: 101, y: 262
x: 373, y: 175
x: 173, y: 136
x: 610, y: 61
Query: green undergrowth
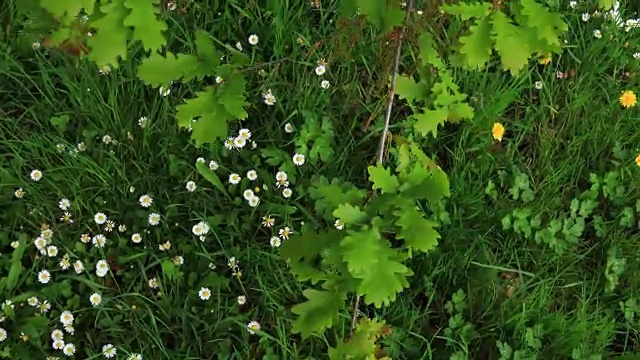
x: 538, y: 238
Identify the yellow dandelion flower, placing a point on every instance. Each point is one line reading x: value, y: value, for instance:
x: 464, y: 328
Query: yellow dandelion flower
x: 497, y: 131
x: 628, y: 99
x: 545, y: 60
x: 638, y: 160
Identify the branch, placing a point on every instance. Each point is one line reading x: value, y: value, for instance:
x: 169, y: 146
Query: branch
x: 385, y: 130
x: 392, y: 91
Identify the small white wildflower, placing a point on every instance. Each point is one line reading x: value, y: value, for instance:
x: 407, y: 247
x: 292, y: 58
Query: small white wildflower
x: 275, y: 241
x: 268, y: 221
x: 109, y: 351
x: 154, y: 219
x: 228, y: 143
x: 36, y: 175
x: 288, y: 128
x: 44, y: 276
x: 573, y: 4
x: 66, y: 317
x: 100, y: 218
x: 56, y: 335
x: 248, y: 194
x: 218, y: 80
x: 239, y: 46
x: 52, y: 251
x: 35, y: 45
x: 234, y: 179
x: 285, y: 233
x: 57, y: 344
x: 298, y: 159
x: 244, y: 133
x: 586, y: 17
x: 253, y: 39
x: 325, y: 84
x: 136, y: 238
x: 200, y: 160
x: 95, y: 299
x: 19, y: 193
x: 253, y: 327
x: 269, y: 98
x: 254, y: 201
x: 538, y: 85
x: 69, y: 349
x: 99, y: 241
x: 321, y: 70
x: 143, y: 121
x: 200, y: 229
x: 191, y: 186
x: 213, y: 165
x: 33, y: 301
x: 597, y: 34
x: 204, y: 293
x: 132, y: 189
x: 145, y: 201
x: 153, y: 283
x: 287, y: 193
x: 239, y: 142
x: 241, y: 300
x: 64, y: 204
x: 15, y: 244
x: 81, y: 146
x: 78, y: 266
x: 252, y: 175
x: 164, y: 91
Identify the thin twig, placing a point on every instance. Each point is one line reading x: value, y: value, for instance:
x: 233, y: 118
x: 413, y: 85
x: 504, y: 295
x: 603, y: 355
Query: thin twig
x: 385, y: 131
x: 516, y: 271
x: 392, y: 91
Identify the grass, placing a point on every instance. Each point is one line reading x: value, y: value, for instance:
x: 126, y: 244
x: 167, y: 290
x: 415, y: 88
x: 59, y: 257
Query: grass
x: 517, y: 292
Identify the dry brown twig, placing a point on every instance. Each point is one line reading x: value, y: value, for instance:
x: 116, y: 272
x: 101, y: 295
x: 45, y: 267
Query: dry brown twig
x: 385, y: 130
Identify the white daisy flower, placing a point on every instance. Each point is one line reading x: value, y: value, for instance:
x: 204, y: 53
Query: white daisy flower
x: 253, y: 327
x: 99, y: 241
x: 213, y: 165
x: 253, y: 39
x: 143, y: 122
x: 204, y: 293
x: 154, y: 219
x: 241, y: 300
x: 100, y: 218
x: 252, y: 175
x: 248, y: 194
x: 234, y: 179
x: 325, y: 84
x: 64, y: 204
x: 254, y: 201
x: 288, y: 128
x: 145, y: 201
x: 200, y: 229
x: 78, y: 266
x: 66, y: 317
x: 239, y: 142
x: 275, y: 241
x: 136, y: 238
x: 339, y: 224
x: 109, y: 351
x: 298, y: 159
x: 164, y: 91
x: 19, y: 193
x: 244, y: 133
x: 57, y: 344
x: 95, y: 299
x: 57, y: 335
x: 285, y: 233
x: 44, y: 276
x: 36, y: 175
x: 287, y: 193
x: 69, y: 349
x: 321, y: 70
x: 191, y: 186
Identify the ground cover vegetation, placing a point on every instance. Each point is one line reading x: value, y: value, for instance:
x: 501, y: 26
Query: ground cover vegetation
x: 348, y: 179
